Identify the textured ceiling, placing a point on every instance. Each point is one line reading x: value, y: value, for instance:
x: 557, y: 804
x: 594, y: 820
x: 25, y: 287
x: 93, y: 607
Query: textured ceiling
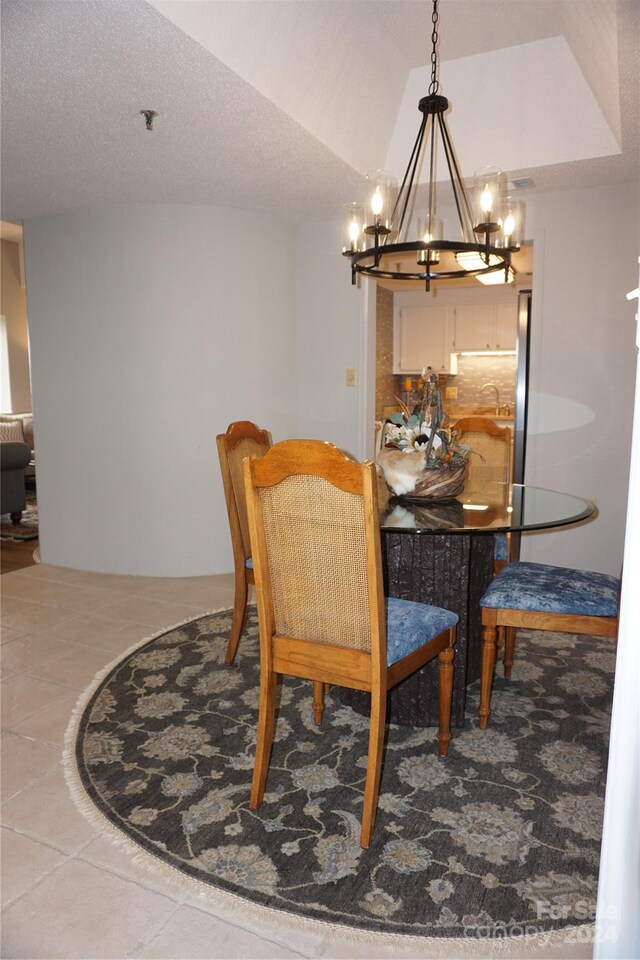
x: 281, y: 105
x: 575, y: 127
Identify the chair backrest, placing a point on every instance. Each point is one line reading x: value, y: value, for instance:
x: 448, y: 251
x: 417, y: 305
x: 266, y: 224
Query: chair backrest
x: 490, y: 459
x: 242, y: 439
x: 314, y: 521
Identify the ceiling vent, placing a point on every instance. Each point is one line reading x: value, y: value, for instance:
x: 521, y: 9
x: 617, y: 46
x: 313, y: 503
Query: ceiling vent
x: 524, y: 183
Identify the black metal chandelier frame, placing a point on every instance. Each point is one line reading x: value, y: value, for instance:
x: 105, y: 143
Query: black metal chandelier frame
x: 476, y: 237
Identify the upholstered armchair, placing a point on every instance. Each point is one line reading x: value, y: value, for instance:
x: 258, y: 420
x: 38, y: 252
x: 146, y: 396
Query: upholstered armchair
x: 14, y: 457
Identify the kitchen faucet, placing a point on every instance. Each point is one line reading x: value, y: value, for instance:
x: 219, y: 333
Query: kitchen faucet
x: 497, y: 396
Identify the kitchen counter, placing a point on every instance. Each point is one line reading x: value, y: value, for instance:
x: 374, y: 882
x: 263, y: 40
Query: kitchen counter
x: 456, y: 412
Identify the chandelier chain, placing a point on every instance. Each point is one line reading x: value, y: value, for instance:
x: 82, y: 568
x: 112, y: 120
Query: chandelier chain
x: 434, y: 86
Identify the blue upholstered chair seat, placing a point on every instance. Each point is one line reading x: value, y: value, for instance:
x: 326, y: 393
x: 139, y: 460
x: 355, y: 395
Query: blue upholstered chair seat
x: 500, y: 547
x: 410, y: 625
x: 249, y: 563
x: 547, y: 589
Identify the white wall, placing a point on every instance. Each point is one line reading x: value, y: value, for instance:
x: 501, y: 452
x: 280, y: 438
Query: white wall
x: 617, y: 917
x: 582, y: 370
x: 330, y: 338
x: 152, y: 327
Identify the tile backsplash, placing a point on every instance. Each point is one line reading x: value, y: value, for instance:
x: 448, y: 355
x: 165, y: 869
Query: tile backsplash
x: 387, y: 386
x: 474, y: 372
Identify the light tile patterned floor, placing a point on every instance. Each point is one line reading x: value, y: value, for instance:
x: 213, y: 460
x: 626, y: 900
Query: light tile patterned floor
x: 66, y: 890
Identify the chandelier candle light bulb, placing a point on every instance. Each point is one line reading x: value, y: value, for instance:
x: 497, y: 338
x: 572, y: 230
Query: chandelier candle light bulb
x: 383, y: 188
x: 430, y: 231
x: 486, y: 200
x: 376, y: 202
x: 489, y: 189
x: 353, y: 219
x: 354, y: 233
x: 508, y: 228
x: 511, y: 221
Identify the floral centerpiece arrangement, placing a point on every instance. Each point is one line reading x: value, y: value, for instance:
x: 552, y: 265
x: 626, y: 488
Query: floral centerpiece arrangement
x: 419, y: 458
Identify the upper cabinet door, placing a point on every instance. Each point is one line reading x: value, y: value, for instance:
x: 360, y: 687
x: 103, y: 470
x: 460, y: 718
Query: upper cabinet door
x: 473, y: 326
x: 506, y: 330
x: 419, y: 340
x: 487, y: 326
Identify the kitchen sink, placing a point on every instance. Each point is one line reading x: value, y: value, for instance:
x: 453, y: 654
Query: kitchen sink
x: 488, y: 412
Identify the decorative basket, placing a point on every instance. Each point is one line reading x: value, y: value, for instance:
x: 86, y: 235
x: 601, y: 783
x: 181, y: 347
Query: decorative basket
x: 407, y: 476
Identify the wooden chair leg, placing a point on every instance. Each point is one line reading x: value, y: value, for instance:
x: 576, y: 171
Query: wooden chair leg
x: 445, y: 694
x: 486, y: 679
x: 510, y: 639
x: 374, y: 763
x: 500, y: 640
x: 318, y: 700
x: 239, y: 609
x: 266, y: 726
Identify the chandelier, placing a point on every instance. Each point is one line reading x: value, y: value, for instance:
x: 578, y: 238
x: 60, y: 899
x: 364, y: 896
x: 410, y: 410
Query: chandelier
x: 398, y: 235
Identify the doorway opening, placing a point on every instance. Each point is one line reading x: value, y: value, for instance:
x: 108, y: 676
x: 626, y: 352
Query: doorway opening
x: 475, y: 337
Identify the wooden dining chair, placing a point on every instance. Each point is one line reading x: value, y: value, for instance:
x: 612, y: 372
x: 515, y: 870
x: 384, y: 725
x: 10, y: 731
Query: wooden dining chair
x: 488, y: 470
x: 314, y: 522
x: 242, y: 439
x: 489, y: 467
x: 489, y: 473
x: 542, y: 597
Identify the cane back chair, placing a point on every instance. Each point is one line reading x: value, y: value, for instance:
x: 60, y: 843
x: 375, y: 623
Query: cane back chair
x: 314, y: 522
x: 242, y: 439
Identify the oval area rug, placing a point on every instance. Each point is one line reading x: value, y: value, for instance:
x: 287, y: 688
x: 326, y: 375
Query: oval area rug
x: 499, y: 839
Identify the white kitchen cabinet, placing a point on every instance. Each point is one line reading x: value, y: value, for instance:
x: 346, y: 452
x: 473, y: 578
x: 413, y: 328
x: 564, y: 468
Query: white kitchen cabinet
x: 422, y: 339
x: 506, y: 326
x: 473, y: 326
x: 486, y: 326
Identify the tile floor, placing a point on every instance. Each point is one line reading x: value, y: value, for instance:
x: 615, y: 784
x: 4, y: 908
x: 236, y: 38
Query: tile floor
x: 67, y: 891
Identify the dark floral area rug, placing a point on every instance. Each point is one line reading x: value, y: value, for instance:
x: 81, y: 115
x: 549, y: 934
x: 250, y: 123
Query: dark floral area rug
x: 27, y: 529
x: 501, y: 838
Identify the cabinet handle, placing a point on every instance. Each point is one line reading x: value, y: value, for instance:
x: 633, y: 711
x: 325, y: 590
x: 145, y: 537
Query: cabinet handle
x: 488, y: 346
x: 498, y: 346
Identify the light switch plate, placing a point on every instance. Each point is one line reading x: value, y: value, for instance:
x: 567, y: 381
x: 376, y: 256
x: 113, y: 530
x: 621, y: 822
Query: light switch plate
x: 451, y: 393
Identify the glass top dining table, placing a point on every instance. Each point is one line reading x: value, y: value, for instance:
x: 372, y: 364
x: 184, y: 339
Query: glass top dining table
x: 506, y: 508
x: 442, y: 553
